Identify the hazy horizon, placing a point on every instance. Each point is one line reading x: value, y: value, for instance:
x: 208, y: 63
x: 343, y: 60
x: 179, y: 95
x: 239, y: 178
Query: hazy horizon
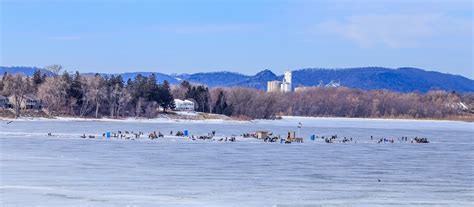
x: 237, y: 36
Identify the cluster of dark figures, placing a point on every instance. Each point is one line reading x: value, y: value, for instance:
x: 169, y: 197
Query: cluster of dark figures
x: 250, y: 135
x: 333, y: 139
x: 402, y: 139
x: 231, y: 139
x: 269, y: 138
x: 207, y: 137
x: 272, y: 139
x: 119, y: 134
x: 182, y: 134
x: 90, y: 136
x: 178, y: 134
x: 154, y: 135
x: 385, y: 140
x: 125, y: 135
x: 288, y: 140
x: 420, y: 140
x: 247, y: 135
x: 210, y: 136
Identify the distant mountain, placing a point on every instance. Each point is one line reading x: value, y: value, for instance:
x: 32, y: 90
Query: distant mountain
x: 180, y: 77
x: 216, y: 79
x: 230, y: 79
x: 22, y: 70
x: 366, y: 78
x: 160, y: 77
x: 259, y: 80
x: 373, y: 78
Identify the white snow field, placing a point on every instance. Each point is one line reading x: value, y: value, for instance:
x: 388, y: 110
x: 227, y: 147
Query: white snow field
x: 66, y: 170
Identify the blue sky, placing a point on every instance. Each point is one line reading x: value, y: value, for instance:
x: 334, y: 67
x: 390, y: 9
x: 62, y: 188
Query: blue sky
x: 241, y: 36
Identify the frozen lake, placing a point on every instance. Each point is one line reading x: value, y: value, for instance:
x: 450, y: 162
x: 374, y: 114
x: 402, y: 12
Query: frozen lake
x: 65, y: 170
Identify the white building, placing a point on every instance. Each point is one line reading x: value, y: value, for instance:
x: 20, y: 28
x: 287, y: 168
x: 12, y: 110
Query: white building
x: 282, y: 86
x: 286, y: 84
x: 273, y: 86
x: 183, y: 105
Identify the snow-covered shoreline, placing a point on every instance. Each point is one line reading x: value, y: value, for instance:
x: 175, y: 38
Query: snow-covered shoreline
x: 370, y: 119
x: 176, y: 117
x: 126, y: 120
x: 189, y: 119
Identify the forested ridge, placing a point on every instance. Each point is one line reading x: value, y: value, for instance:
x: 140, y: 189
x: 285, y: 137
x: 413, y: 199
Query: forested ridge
x: 98, y: 95
x: 366, y: 78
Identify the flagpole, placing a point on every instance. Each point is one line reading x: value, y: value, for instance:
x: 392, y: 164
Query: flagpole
x: 298, y: 128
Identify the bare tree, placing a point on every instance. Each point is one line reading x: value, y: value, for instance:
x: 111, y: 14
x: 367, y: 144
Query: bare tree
x: 96, y: 92
x: 179, y: 91
x: 55, y: 69
x: 53, y: 94
x: 86, y: 101
x: 124, y: 98
x: 17, y: 87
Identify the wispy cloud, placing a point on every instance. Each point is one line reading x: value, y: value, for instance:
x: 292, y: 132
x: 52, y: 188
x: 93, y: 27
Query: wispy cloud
x: 396, y: 30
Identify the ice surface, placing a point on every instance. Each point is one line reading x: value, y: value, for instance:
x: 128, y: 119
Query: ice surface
x: 65, y: 170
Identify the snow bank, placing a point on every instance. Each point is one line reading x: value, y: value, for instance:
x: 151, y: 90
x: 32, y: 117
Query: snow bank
x: 126, y: 120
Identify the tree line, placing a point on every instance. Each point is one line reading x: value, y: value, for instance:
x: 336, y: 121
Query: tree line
x: 89, y: 96
x: 248, y: 103
x: 345, y: 102
x: 74, y: 94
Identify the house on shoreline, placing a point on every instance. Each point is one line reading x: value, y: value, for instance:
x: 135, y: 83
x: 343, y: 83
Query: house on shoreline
x: 28, y: 102
x: 4, y: 103
x: 183, y: 105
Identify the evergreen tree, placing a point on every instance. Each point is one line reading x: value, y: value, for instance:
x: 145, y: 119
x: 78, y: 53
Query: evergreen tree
x: 185, y: 84
x: 166, y: 98
x: 43, y: 77
x: 66, y: 77
x: 37, y: 78
x: 115, y: 90
x: 200, y: 95
x: 137, y: 88
x: 152, y: 90
x: 75, y: 90
x: 221, y: 106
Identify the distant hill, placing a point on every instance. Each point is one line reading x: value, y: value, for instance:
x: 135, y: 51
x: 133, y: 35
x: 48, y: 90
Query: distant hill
x: 366, y: 78
x: 160, y: 77
x: 28, y: 71
x: 216, y: 79
x: 259, y: 80
x: 371, y: 78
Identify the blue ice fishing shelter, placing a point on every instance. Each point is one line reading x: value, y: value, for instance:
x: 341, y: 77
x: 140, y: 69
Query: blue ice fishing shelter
x: 313, y: 137
x: 185, y: 132
x: 107, y: 134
